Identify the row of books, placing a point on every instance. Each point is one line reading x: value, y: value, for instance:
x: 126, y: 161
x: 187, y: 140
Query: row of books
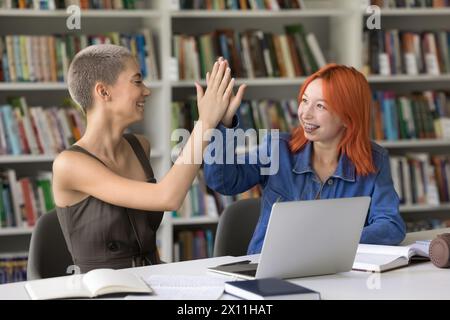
x: 183, y: 115
x: 253, y: 114
x: 47, y: 58
x: 23, y: 200
x: 414, y: 116
x: 442, y: 172
x: 411, y: 3
x: 37, y: 130
x: 419, y: 115
x: 251, y: 53
x: 198, y: 202
x: 201, y: 201
x: 193, y: 244
x: 62, y: 4
x: 419, y: 179
x: 388, y: 52
x: 256, y: 114
x: 269, y: 114
x: 13, y: 268
x: 241, y: 4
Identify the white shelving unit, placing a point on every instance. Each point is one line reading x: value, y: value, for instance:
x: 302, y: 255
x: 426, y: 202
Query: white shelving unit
x: 338, y: 25
x: 403, y: 78
x: 339, y: 28
x: 194, y: 220
x: 415, y: 19
x: 415, y: 12
x: 415, y: 143
x: 329, y: 18
x: 15, y: 231
x: 263, y: 82
x: 48, y: 86
x: 288, y: 13
x: 425, y: 208
x: 155, y: 125
x: 20, y: 13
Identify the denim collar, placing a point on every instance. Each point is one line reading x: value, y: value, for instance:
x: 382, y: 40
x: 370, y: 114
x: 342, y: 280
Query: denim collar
x: 345, y: 169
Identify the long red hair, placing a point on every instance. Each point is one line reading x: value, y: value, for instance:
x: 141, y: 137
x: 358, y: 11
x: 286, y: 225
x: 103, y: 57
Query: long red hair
x: 349, y: 97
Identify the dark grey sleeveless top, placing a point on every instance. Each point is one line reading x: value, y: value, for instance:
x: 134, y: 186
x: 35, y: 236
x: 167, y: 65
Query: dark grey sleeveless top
x: 102, y: 235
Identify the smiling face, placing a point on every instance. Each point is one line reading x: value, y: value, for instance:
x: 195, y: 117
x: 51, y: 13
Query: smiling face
x: 129, y: 92
x: 319, y: 124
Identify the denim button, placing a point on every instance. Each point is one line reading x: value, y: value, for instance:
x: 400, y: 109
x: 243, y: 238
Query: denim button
x: 330, y: 182
x: 113, y: 246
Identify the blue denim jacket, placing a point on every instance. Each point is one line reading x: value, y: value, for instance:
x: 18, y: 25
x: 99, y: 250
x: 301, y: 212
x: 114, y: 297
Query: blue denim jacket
x: 296, y: 180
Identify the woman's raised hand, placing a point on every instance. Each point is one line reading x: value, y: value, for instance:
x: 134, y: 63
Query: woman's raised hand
x: 213, y: 103
x: 235, y: 101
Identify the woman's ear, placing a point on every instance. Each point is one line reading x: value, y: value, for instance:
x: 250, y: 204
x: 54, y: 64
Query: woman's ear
x: 102, y: 91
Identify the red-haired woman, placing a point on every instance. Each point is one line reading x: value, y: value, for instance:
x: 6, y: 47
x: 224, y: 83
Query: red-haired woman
x: 329, y: 155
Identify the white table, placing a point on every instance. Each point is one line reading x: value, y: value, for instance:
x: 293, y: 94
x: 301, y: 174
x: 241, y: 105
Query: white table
x: 418, y: 281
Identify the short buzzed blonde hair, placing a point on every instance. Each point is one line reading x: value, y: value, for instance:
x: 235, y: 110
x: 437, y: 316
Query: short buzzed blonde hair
x: 96, y: 63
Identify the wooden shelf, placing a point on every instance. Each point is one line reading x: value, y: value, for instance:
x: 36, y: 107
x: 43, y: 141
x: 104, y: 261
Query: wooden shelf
x: 404, y: 78
x: 15, y: 231
x: 414, y: 12
x: 401, y: 78
x: 19, y: 13
x: 414, y: 143
x: 193, y: 220
x: 14, y: 254
x: 245, y: 14
x: 50, y: 86
x: 26, y: 158
x: 249, y: 82
x: 32, y: 86
x: 425, y: 208
x: 401, y: 144
x: 5, y: 159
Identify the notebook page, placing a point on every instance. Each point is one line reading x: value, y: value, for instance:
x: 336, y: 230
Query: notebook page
x: 183, y: 287
x: 103, y: 281
x: 57, y: 288
x: 397, y: 251
x: 421, y: 248
x: 375, y: 259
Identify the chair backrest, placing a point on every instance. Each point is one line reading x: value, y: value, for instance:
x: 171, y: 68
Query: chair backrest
x: 235, y: 228
x: 48, y: 255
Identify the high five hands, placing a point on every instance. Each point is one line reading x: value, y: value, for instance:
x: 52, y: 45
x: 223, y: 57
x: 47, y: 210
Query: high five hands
x: 218, y: 102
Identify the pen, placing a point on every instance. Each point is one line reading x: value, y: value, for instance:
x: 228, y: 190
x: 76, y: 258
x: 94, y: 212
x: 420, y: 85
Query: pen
x: 233, y: 263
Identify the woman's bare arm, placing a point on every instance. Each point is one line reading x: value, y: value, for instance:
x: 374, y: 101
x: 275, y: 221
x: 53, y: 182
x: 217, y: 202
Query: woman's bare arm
x: 80, y: 173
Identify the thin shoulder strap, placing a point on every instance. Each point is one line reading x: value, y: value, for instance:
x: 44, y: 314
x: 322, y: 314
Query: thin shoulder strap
x: 77, y: 148
x: 145, y: 163
x: 140, y: 154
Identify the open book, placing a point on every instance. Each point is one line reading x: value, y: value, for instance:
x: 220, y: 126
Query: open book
x: 92, y: 284
x: 378, y: 258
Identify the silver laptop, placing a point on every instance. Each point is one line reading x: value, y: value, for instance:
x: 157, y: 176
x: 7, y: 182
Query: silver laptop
x: 307, y: 238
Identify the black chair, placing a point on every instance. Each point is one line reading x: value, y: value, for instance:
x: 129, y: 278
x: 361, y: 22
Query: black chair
x: 235, y: 228
x: 48, y: 255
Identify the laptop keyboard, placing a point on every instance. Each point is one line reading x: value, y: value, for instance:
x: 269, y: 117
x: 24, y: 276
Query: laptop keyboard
x: 244, y: 269
x: 247, y: 272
